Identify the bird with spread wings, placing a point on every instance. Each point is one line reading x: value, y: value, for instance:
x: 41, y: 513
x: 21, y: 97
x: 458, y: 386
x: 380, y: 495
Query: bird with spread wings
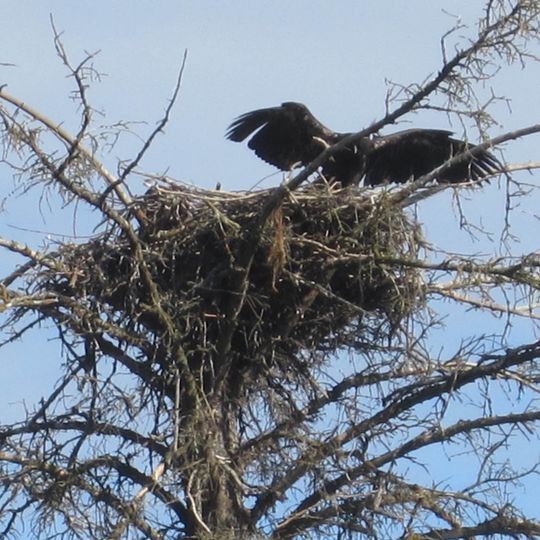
x: 289, y: 136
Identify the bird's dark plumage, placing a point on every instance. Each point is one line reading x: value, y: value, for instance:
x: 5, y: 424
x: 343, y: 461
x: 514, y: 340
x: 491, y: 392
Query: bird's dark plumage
x: 283, y: 136
x: 289, y: 135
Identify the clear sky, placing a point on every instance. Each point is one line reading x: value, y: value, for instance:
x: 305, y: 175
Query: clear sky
x: 333, y: 56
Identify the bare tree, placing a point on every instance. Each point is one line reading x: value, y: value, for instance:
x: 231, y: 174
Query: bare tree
x: 258, y: 364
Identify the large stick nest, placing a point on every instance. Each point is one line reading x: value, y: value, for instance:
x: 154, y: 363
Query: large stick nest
x: 325, y: 274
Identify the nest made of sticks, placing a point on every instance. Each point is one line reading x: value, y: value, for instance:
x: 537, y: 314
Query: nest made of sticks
x: 325, y: 274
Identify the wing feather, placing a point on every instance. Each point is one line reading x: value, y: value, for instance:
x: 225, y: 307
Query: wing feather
x: 283, y: 136
x: 409, y: 154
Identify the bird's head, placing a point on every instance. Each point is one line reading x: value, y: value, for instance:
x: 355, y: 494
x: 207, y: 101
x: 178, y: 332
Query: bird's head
x: 294, y: 106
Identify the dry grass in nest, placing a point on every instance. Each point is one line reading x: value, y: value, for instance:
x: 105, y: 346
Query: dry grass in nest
x: 325, y: 273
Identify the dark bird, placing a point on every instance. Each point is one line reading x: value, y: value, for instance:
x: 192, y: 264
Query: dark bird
x: 289, y: 136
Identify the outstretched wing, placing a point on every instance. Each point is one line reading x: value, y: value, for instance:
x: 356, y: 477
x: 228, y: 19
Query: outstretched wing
x: 284, y: 136
x: 412, y: 153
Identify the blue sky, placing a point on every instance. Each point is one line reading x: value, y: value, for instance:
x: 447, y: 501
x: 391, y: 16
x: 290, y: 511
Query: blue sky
x: 333, y: 56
